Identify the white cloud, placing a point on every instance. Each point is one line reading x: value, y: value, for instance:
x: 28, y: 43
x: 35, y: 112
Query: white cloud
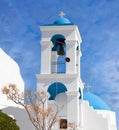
x: 108, y: 73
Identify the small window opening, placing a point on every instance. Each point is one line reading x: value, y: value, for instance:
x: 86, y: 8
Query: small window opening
x: 63, y: 124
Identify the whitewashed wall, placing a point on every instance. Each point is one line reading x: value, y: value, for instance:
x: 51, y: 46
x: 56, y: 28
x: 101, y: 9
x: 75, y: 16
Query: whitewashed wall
x: 21, y: 117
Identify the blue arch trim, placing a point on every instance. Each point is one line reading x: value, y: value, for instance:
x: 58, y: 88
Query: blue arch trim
x: 56, y: 88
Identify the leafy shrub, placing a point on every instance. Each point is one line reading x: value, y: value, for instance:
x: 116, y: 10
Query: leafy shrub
x: 7, y: 123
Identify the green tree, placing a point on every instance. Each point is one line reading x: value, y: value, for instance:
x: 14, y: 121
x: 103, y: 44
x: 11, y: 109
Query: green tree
x: 7, y: 123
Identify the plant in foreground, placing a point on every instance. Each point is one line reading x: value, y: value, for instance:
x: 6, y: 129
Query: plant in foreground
x: 42, y: 117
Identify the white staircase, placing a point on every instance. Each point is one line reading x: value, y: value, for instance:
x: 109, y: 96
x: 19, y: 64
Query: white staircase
x: 94, y: 119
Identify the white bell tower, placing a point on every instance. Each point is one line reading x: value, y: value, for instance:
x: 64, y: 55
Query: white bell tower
x: 60, y: 64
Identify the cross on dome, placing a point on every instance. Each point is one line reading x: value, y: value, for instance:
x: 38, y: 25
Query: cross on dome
x: 88, y: 87
x: 62, y: 20
x: 62, y: 14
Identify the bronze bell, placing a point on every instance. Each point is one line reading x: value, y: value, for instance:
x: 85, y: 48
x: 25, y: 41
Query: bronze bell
x: 60, y: 50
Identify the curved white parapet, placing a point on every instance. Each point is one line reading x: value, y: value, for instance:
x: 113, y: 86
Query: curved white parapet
x: 9, y: 74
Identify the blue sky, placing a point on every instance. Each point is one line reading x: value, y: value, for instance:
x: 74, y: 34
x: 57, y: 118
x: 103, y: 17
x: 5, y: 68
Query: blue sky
x: 98, y: 23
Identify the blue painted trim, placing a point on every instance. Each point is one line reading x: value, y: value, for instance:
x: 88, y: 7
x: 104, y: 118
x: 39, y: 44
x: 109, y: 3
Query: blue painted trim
x: 53, y: 41
x: 56, y: 88
x: 58, y: 24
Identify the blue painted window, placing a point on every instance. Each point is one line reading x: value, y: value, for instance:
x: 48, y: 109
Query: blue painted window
x: 61, y: 64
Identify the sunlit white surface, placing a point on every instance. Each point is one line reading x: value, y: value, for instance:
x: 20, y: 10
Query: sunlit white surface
x: 9, y: 74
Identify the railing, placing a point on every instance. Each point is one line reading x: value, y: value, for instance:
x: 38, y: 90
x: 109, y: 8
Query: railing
x: 58, y: 67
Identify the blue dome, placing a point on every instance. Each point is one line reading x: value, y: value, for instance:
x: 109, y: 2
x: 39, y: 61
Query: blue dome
x: 95, y: 101
x: 62, y: 21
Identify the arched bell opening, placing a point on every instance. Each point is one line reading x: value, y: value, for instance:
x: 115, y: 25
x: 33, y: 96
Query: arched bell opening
x: 59, y: 44
x: 55, y: 89
x: 58, y: 62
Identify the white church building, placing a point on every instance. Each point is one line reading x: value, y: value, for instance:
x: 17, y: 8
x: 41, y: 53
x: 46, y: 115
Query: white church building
x: 60, y: 76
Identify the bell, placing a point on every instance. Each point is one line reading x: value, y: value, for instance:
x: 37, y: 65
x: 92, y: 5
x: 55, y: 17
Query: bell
x: 60, y: 50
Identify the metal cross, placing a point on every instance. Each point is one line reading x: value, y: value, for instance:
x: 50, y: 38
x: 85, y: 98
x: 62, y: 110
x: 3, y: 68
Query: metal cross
x: 88, y: 87
x: 62, y: 14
